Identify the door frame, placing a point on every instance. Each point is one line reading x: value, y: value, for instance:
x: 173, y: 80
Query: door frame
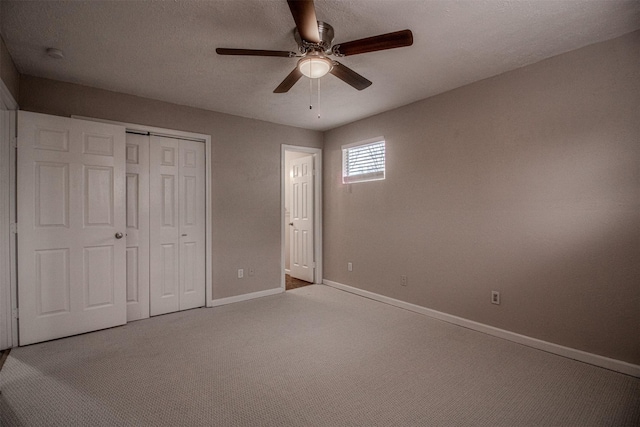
x: 317, y: 209
x: 8, y: 248
x: 191, y: 136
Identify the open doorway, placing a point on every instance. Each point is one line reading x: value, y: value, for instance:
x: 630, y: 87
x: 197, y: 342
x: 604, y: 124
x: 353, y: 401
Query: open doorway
x: 301, y: 198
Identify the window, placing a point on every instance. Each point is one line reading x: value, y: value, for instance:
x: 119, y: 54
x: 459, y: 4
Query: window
x: 363, y: 161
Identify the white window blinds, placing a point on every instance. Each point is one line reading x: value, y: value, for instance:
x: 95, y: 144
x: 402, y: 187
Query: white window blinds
x: 363, y: 161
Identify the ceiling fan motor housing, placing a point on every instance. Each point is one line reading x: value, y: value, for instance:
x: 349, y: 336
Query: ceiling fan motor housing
x: 326, y: 36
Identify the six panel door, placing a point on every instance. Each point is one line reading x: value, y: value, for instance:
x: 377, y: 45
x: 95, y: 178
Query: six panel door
x: 137, y: 185
x: 301, y: 247
x: 177, y: 243
x: 71, y: 207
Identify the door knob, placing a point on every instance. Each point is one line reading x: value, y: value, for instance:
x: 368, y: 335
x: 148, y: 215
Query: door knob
x: 291, y: 224
x: 119, y: 235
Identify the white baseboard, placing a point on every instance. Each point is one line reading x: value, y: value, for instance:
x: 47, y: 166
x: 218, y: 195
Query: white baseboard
x: 571, y: 353
x: 245, y: 297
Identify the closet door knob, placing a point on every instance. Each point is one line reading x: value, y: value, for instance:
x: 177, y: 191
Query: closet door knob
x: 119, y: 235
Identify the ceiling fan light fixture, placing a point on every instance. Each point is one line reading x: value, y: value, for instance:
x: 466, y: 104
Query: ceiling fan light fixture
x: 315, y: 67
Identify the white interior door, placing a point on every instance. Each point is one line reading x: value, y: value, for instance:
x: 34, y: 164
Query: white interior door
x: 71, y: 208
x: 137, y: 189
x: 301, y: 233
x: 192, y: 224
x: 177, y: 243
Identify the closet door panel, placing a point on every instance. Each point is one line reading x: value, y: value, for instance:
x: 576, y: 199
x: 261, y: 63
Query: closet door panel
x: 177, y: 225
x: 192, y: 225
x: 165, y: 229
x: 137, y: 197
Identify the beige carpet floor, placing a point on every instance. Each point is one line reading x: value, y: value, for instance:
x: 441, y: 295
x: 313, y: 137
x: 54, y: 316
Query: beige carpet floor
x: 313, y: 356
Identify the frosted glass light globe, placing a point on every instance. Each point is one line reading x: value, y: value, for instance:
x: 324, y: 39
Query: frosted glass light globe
x: 315, y: 67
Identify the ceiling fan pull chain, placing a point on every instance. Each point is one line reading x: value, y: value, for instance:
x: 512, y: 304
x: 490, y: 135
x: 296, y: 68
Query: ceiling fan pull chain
x: 318, y: 105
x: 310, y: 94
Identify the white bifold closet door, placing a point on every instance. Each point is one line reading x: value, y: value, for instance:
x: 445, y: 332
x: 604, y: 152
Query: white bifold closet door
x: 137, y: 186
x: 177, y: 223
x: 71, y: 224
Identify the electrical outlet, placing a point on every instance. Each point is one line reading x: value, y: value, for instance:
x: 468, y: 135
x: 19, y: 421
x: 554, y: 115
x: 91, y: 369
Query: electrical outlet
x: 349, y: 266
x: 240, y: 273
x: 403, y: 280
x: 495, y: 297
x: 251, y: 271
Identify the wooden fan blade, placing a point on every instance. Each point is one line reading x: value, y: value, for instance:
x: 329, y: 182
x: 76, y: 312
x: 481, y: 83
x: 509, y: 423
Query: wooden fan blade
x: 371, y: 44
x: 289, y: 81
x: 304, y: 13
x: 255, y: 52
x: 349, y: 76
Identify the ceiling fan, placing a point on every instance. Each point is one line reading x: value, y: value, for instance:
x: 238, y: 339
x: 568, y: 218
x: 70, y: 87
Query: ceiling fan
x: 314, y: 39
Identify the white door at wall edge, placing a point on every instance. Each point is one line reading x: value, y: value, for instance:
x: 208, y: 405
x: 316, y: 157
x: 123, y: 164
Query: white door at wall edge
x: 177, y: 240
x: 301, y: 234
x: 71, y: 224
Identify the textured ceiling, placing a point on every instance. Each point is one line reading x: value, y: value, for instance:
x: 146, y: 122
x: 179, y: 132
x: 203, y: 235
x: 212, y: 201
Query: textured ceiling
x: 166, y: 50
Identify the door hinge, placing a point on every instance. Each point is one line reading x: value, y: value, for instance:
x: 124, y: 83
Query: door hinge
x: 14, y: 228
x: 14, y: 142
x: 15, y: 313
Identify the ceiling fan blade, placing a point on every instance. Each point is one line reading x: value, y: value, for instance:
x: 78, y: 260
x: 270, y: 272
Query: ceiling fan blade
x: 349, y: 76
x: 289, y: 81
x: 304, y: 13
x: 371, y: 44
x: 255, y: 52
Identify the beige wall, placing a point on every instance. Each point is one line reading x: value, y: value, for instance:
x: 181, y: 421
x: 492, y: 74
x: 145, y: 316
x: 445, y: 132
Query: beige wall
x: 245, y: 171
x: 527, y: 183
x: 8, y: 72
